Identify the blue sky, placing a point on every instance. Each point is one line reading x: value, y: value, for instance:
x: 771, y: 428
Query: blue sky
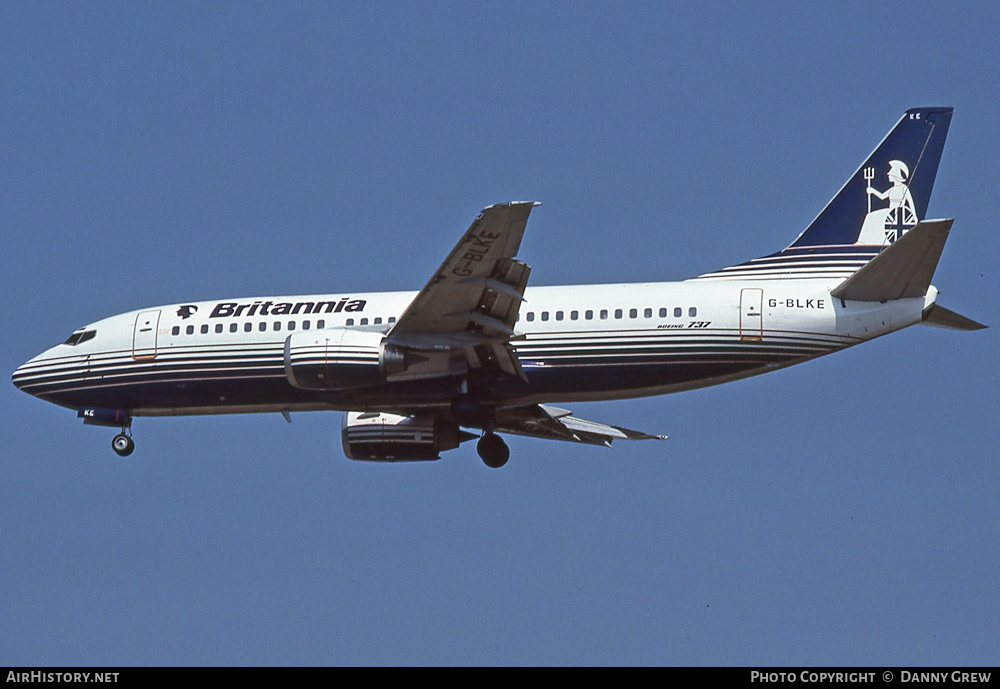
x: 840, y: 512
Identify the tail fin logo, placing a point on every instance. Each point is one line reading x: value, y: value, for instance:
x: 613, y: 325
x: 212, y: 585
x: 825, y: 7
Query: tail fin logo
x: 885, y: 225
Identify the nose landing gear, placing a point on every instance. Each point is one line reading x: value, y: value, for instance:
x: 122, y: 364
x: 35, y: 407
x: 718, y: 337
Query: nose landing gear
x: 123, y: 444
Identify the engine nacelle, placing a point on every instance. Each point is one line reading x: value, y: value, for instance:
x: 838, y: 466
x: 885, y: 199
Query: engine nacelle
x: 383, y: 437
x: 333, y: 359
x: 338, y: 358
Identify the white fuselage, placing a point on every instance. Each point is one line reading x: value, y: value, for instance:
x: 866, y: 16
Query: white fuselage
x: 575, y: 343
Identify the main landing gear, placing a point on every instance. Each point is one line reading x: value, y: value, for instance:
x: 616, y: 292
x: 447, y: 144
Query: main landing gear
x: 468, y: 411
x: 493, y: 450
x: 123, y: 444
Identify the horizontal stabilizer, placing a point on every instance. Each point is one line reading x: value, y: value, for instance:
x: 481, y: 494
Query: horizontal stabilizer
x: 903, y: 270
x: 941, y: 317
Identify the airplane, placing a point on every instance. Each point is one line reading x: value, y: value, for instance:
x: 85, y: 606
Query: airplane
x: 478, y: 349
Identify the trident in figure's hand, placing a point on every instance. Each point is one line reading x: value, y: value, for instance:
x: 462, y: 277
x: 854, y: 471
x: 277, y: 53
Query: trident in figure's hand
x: 869, y: 176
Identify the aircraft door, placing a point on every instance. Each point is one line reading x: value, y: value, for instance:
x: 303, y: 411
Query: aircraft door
x: 751, y: 314
x: 144, y: 335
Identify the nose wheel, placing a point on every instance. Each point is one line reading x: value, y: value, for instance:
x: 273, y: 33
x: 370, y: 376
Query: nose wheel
x: 493, y: 450
x: 123, y: 444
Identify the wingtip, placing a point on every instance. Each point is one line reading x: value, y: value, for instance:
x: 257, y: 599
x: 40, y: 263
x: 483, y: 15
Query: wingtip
x: 514, y: 203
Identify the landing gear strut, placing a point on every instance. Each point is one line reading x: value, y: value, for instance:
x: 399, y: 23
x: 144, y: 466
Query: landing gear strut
x: 468, y: 411
x: 493, y: 450
x: 123, y: 444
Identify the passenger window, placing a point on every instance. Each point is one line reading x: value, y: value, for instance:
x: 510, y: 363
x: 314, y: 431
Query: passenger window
x: 350, y: 321
x: 320, y: 324
x: 618, y: 313
x: 545, y: 315
x: 648, y: 313
x: 233, y: 327
x: 604, y: 314
x: 663, y: 312
x: 218, y: 327
x: 589, y: 315
x: 559, y: 315
x: 574, y: 315
x: 291, y: 325
x: 677, y: 312
x: 693, y: 311
x: 378, y: 321
x: 392, y: 319
x: 247, y: 327
x: 277, y: 325
x: 633, y: 313
x: 531, y: 316
x: 190, y: 330
x: 176, y: 330
x: 305, y: 325
x: 204, y: 329
x: 364, y: 321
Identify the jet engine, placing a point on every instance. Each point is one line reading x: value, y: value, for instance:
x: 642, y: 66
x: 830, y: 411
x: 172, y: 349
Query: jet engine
x: 339, y: 358
x: 380, y: 437
x: 333, y: 359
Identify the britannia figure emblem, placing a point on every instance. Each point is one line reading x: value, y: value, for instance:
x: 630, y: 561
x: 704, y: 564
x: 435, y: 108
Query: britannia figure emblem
x: 886, y: 225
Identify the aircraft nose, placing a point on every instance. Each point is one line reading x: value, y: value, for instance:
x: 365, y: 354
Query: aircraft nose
x: 22, y: 373
x: 28, y: 375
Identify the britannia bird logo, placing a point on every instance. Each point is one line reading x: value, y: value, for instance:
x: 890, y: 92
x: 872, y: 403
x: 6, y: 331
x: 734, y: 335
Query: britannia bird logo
x: 187, y: 310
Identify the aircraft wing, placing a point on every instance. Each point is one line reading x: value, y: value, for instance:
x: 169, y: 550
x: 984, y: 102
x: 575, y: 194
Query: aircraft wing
x: 464, y: 316
x: 552, y: 423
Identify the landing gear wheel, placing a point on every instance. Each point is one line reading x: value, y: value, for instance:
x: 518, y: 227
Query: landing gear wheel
x: 123, y: 445
x: 493, y: 450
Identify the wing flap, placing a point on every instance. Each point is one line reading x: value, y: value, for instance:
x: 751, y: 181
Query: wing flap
x: 508, y: 362
x: 553, y: 423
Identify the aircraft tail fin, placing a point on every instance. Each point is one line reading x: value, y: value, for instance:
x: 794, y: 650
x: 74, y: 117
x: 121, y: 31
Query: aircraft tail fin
x: 888, y: 194
x: 903, y: 270
x: 878, y: 205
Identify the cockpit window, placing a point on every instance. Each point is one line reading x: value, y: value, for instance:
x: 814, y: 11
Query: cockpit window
x: 80, y: 336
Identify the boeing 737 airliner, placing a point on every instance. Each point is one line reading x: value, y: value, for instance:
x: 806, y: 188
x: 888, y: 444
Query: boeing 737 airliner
x: 477, y: 349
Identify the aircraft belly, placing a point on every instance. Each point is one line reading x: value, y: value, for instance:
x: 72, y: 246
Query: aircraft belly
x: 654, y: 363
x: 556, y: 370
